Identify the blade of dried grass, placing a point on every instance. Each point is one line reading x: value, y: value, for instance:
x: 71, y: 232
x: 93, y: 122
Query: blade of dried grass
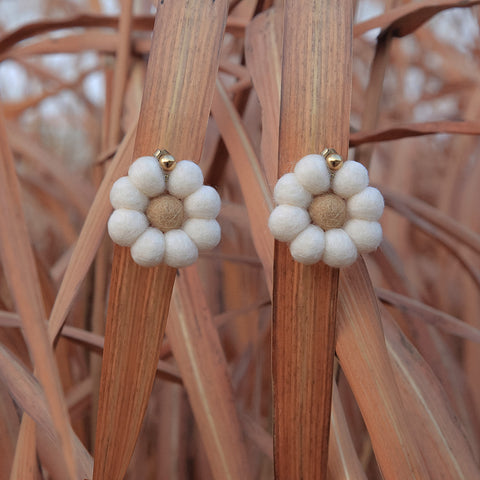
x: 19, y: 266
x: 252, y: 182
x: 131, y: 348
x: 25, y: 465
x: 405, y: 19
x: 194, y: 340
x: 434, y: 216
x: 343, y: 461
x: 75, y: 188
x: 317, y: 60
x: 29, y: 395
x: 8, y: 431
x: 442, y: 238
x: 443, y: 444
x: 264, y: 35
x: 364, y: 359
x: 90, y: 236
x: 437, y: 318
x: 464, y: 127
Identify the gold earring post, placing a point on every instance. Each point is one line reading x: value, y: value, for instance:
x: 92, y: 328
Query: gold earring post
x: 166, y: 160
x: 333, y: 159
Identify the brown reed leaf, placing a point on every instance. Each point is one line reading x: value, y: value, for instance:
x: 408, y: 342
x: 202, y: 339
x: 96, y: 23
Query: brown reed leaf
x: 8, y: 431
x: 25, y: 464
x: 194, y: 340
x: 437, y: 318
x: 316, y: 61
x: 364, y: 359
x: 405, y: 19
x: 443, y: 444
x: 343, y: 462
x: 90, y: 237
x: 128, y: 365
x: 29, y: 395
x: 19, y: 266
x: 257, y: 194
x: 414, y: 130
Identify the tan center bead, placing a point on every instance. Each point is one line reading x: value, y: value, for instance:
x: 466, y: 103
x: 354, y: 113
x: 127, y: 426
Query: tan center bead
x: 328, y: 211
x: 165, y: 212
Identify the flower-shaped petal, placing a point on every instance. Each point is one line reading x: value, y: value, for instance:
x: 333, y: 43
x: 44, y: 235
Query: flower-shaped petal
x: 350, y: 179
x: 125, y: 226
x: 340, y: 251
x: 289, y: 191
x: 180, y: 251
x: 366, y: 235
x: 185, y: 178
x: 124, y: 194
x: 149, y: 248
x: 147, y: 175
x: 366, y: 205
x: 287, y: 221
x: 203, y: 203
x: 308, y: 246
x: 204, y: 233
x: 312, y: 172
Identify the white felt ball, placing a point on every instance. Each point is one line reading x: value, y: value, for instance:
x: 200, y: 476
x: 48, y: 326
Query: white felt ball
x: 289, y: 191
x: 125, y: 226
x: 286, y: 222
x: 180, y: 251
x: 350, y: 179
x: 308, y: 246
x: 340, y: 251
x: 185, y: 179
x: 204, y: 233
x: 365, y: 235
x: 147, y: 175
x: 367, y: 205
x: 149, y: 248
x: 204, y: 203
x: 312, y: 172
x: 124, y: 194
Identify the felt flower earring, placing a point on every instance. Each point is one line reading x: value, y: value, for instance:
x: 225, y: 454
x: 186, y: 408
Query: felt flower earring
x: 163, y: 212
x: 327, y: 211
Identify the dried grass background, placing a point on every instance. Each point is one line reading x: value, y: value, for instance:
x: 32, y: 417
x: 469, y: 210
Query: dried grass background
x: 71, y: 83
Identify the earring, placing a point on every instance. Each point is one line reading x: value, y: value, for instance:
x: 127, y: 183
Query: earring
x: 327, y: 211
x: 163, y: 212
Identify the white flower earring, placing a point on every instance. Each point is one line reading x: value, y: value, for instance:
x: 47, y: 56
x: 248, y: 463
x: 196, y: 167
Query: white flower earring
x: 327, y: 211
x: 163, y: 212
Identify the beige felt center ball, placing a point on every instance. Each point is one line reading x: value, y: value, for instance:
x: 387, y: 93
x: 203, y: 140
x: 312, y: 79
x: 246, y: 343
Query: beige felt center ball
x: 328, y: 211
x: 165, y: 212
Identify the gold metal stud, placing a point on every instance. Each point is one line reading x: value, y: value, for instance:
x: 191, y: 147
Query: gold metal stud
x: 333, y: 159
x: 166, y: 160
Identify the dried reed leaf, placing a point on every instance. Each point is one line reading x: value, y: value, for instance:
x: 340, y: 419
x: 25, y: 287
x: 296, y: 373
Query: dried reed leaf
x: 343, y: 461
x: 437, y: 318
x: 264, y: 35
x: 93, y: 342
x: 131, y: 351
x: 19, y: 266
x: 25, y: 465
x: 256, y: 192
x: 414, y: 130
x: 443, y: 445
x: 434, y: 216
x: 364, y: 359
x: 317, y: 61
x: 405, y: 19
x: 30, y: 397
x: 8, y: 431
x: 194, y: 340
x: 76, y: 189
x: 90, y: 237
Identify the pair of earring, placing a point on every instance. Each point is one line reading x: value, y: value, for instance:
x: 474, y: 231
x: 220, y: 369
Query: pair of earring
x: 325, y: 211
